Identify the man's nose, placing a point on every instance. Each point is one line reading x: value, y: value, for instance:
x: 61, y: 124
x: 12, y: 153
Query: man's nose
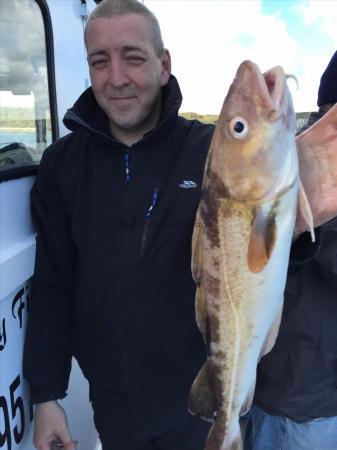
x: 118, y: 75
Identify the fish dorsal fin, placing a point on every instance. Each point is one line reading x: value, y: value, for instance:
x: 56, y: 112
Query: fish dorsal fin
x: 197, y: 249
x: 202, y: 400
x: 200, y: 311
x: 262, y: 239
x: 304, y: 207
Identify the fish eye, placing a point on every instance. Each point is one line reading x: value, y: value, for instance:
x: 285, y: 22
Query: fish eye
x: 238, y: 127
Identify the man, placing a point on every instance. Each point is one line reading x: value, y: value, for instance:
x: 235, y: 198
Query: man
x: 296, y: 391
x: 114, y: 206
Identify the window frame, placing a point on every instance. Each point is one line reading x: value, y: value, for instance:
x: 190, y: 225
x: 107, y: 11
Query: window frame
x: 20, y: 170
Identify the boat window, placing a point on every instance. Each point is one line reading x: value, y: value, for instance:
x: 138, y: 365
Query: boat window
x: 25, y: 113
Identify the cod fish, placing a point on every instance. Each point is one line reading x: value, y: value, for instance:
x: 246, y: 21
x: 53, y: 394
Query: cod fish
x: 241, y: 244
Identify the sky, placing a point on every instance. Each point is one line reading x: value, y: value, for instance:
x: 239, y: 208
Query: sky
x: 208, y: 39
x: 22, y: 54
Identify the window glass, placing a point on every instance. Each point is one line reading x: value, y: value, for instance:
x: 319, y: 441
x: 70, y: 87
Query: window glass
x: 25, y: 125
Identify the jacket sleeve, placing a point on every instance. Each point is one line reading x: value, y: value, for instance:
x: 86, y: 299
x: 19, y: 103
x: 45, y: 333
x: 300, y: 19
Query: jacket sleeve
x: 326, y: 259
x: 322, y: 253
x: 48, y: 349
x: 303, y: 250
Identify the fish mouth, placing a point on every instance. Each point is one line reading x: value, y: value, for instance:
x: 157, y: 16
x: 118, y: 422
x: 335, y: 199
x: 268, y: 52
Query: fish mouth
x: 269, y: 87
x: 275, y: 81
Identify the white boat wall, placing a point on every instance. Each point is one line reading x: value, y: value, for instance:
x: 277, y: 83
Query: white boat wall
x: 43, y: 71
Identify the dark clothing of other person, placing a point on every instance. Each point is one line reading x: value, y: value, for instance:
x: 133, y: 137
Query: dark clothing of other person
x: 112, y: 283
x: 297, y: 378
x: 327, y: 91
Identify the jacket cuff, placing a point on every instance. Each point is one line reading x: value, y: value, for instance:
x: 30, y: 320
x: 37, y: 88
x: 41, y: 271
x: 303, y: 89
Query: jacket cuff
x: 37, y: 396
x: 304, y: 250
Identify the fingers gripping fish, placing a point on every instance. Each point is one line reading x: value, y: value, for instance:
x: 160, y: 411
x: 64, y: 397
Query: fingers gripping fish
x: 241, y: 245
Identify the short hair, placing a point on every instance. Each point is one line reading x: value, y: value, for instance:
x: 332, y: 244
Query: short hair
x: 110, y: 8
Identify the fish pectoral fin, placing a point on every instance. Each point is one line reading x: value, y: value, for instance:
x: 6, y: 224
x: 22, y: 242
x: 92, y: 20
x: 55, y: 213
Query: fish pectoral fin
x: 202, y: 400
x: 305, y: 209
x: 262, y: 239
x: 272, y: 333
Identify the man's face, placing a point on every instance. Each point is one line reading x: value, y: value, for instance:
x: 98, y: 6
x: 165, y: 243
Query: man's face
x: 126, y: 74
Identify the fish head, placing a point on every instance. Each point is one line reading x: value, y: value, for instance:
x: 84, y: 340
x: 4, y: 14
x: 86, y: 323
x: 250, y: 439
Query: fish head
x: 253, y: 148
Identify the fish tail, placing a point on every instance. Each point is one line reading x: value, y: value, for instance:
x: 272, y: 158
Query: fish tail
x: 219, y: 439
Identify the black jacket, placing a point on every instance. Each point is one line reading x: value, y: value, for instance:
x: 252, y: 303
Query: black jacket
x: 298, y: 378
x: 112, y: 283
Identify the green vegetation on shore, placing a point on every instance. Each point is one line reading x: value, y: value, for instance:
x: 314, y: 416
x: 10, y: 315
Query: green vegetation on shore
x: 204, y: 118
x: 16, y: 117
x: 24, y: 118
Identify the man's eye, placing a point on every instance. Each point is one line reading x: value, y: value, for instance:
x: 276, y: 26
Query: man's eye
x: 135, y: 59
x: 98, y: 63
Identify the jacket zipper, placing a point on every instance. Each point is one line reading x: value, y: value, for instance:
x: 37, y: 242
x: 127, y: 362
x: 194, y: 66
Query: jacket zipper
x: 145, y: 233
x: 127, y: 165
x: 118, y: 301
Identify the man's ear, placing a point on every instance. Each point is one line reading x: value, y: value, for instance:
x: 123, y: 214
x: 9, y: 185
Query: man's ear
x: 165, y: 67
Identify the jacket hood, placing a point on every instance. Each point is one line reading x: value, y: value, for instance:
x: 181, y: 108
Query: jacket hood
x: 327, y: 92
x: 87, y: 114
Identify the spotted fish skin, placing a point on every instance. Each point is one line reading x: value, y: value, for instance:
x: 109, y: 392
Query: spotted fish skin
x: 241, y: 244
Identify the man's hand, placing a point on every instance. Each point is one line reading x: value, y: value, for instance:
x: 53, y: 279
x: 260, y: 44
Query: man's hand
x: 317, y: 152
x: 51, y: 428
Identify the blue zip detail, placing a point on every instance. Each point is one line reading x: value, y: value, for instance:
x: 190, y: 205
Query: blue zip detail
x: 127, y: 165
x: 154, y: 200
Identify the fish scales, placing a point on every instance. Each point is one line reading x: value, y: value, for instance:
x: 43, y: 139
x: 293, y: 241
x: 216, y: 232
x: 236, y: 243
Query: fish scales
x: 241, y: 245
